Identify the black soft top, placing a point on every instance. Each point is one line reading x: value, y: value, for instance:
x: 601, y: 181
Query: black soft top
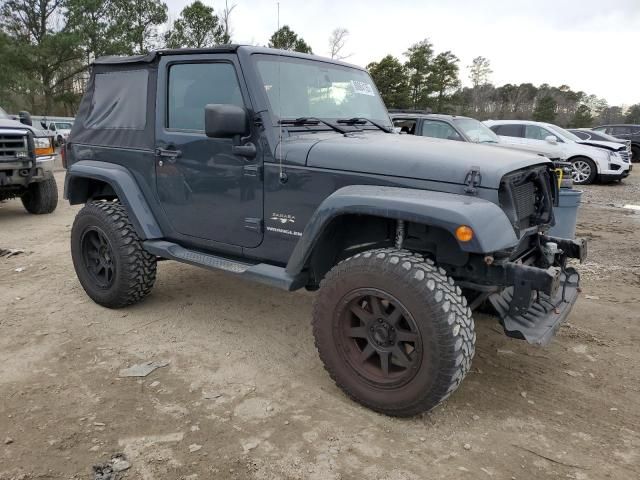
x: 155, y: 54
x: 118, y: 107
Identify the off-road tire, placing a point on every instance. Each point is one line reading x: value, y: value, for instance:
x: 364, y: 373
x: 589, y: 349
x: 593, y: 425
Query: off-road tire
x: 593, y: 170
x: 439, y: 309
x: 41, y: 197
x: 135, y: 268
x: 635, y: 154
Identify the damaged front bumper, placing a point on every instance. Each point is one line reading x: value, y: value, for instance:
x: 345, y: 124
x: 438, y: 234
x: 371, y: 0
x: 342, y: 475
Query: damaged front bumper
x: 540, y: 321
x: 536, y: 301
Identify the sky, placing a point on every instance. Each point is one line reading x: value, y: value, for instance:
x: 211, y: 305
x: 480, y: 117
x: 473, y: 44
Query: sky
x: 590, y: 45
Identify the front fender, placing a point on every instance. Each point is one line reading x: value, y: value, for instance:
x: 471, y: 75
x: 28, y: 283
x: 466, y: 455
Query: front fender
x: 125, y: 187
x: 492, y: 229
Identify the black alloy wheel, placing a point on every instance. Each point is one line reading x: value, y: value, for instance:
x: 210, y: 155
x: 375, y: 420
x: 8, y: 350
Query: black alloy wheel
x: 378, y: 338
x: 98, y: 258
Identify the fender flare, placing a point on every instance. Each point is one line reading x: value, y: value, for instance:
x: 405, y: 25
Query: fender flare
x: 492, y: 229
x: 126, y: 188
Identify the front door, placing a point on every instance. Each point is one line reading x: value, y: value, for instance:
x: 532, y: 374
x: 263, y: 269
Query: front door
x: 206, y: 191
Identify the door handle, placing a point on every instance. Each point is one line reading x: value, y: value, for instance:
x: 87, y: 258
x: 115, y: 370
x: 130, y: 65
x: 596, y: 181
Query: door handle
x: 170, y: 155
x: 248, y: 150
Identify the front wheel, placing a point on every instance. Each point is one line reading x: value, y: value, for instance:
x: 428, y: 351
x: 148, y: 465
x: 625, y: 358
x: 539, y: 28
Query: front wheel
x: 635, y: 154
x: 393, y: 331
x: 41, y: 197
x: 111, y: 264
x: 584, y: 171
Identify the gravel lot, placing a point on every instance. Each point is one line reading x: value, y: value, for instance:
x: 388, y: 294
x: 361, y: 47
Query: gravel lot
x: 244, y: 395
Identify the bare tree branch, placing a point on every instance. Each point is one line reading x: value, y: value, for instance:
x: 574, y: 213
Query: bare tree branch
x: 337, y: 41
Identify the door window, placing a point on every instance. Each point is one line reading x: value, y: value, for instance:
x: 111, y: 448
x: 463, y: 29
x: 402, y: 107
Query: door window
x: 508, y: 130
x: 435, y: 129
x: 620, y: 130
x: 534, y: 132
x: 406, y: 125
x: 194, y: 85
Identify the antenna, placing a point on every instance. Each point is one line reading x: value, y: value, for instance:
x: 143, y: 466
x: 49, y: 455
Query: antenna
x: 279, y: 148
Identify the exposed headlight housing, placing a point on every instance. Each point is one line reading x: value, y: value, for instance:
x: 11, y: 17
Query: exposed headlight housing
x: 43, y: 146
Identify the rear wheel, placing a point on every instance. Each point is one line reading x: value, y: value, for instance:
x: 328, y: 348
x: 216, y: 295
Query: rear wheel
x: 41, y: 197
x: 111, y: 264
x: 584, y: 170
x: 393, y: 331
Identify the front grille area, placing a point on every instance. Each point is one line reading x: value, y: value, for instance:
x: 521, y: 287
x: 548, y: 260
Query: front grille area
x: 11, y: 145
x: 625, y: 154
x: 526, y: 196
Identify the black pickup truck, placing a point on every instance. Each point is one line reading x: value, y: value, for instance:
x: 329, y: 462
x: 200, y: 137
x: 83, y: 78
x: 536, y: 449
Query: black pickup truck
x: 283, y: 168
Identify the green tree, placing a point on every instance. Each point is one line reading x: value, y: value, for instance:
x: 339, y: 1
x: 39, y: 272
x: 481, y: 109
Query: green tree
x: 419, y: 58
x: 287, y: 39
x: 582, y: 117
x: 443, y: 78
x: 545, y: 110
x: 137, y: 22
x: 50, y: 51
x: 197, y: 27
x: 633, y: 114
x: 391, y: 78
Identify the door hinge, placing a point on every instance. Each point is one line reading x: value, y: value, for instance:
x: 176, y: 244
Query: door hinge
x: 472, y: 180
x: 253, y: 224
x: 252, y: 170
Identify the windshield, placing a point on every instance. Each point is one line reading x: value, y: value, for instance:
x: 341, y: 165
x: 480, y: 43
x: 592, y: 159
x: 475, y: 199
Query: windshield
x: 3, y: 114
x: 476, y: 131
x: 565, y: 133
x: 298, y: 88
x: 63, y: 126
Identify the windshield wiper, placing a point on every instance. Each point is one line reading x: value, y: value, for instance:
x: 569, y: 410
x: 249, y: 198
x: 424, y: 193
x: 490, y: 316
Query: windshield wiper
x: 362, y: 121
x: 311, y: 121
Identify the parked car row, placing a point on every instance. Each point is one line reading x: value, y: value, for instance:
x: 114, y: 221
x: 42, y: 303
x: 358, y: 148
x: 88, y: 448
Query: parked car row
x: 594, y: 155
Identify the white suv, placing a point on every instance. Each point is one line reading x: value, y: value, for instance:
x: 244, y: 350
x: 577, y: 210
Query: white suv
x: 605, y: 161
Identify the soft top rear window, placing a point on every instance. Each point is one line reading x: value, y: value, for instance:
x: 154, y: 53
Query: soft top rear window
x: 119, y: 100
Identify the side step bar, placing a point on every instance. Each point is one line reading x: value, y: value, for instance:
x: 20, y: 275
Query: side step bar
x: 258, y: 272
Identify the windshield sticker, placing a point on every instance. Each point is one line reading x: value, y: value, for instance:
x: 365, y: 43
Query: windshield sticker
x: 362, y: 88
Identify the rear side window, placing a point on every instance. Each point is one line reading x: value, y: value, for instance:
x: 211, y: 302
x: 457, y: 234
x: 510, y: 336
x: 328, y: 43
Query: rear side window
x: 508, y: 130
x: 194, y: 85
x: 119, y: 101
x: 435, y: 129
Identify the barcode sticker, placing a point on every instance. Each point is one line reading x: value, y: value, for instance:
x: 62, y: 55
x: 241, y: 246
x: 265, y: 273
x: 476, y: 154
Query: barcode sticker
x: 362, y: 88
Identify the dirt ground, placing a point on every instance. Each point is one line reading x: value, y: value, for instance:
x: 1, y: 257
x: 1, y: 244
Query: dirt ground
x: 244, y: 395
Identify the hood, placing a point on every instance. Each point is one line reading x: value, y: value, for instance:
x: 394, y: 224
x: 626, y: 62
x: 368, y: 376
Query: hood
x: 613, y: 146
x: 13, y: 124
x: 412, y: 157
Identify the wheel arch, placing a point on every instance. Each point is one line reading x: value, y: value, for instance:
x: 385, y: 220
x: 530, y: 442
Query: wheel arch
x: 366, y: 209
x: 88, y: 180
x: 575, y: 157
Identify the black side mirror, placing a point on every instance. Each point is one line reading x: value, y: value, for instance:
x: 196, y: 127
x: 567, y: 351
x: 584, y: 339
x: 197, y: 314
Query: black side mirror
x: 25, y: 118
x: 225, y: 121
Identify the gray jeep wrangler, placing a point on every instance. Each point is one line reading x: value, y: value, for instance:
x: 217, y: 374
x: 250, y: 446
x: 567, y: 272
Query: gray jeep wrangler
x: 26, y: 164
x: 282, y: 168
